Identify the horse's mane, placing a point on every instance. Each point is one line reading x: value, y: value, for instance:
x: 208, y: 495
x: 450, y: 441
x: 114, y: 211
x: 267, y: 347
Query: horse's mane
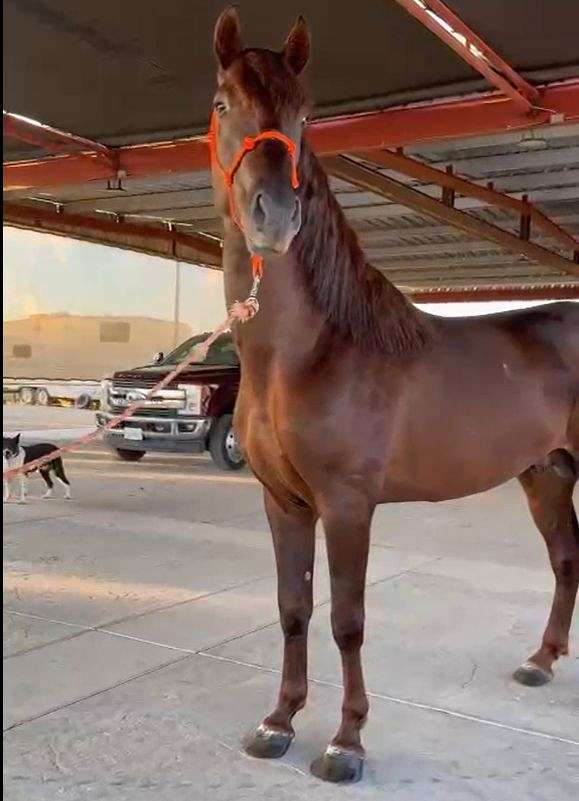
x: 361, y: 305
x: 359, y: 301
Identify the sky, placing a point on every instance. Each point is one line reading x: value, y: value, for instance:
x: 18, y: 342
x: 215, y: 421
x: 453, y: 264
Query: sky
x: 48, y: 274
x: 45, y: 274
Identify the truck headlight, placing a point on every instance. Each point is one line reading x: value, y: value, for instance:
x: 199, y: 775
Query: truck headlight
x: 103, y: 395
x: 192, y: 399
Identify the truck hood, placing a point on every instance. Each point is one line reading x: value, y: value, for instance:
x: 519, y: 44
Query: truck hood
x: 195, y: 374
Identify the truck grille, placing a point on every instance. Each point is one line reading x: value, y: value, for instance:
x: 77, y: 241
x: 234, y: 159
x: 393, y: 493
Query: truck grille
x: 162, y: 403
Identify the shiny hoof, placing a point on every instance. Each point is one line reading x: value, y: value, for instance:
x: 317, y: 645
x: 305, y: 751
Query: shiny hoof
x: 338, y: 766
x: 266, y: 743
x: 532, y: 675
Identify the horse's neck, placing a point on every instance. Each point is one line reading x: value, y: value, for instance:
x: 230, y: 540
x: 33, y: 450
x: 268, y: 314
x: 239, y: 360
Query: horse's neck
x: 286, y: 321
x: 324, y: 282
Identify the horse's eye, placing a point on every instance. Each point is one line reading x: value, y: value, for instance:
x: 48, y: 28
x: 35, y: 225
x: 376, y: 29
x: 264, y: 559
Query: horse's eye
x: 220, y: 107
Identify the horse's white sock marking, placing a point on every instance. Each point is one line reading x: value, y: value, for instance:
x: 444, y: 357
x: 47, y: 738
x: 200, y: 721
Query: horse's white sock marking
x: 267, y: 733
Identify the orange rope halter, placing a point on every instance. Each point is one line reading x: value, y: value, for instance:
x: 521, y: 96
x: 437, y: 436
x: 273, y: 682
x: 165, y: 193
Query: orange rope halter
x: 228, y: 173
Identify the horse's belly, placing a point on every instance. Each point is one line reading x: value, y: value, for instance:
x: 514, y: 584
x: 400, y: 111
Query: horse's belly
x: 452, y: 448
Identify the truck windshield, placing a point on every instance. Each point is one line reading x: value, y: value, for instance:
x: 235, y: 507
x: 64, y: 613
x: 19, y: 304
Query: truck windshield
x: 221, y: 352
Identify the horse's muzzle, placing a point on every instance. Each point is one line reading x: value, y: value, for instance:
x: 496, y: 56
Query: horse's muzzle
x: 272, y: 224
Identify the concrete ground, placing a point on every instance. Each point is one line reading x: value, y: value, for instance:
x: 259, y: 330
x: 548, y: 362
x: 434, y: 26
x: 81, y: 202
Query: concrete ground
x: 141, y: 643
x: 54, y: 423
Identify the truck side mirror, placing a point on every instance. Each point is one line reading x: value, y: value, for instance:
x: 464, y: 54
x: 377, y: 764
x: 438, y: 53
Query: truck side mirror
x: 158, y: 357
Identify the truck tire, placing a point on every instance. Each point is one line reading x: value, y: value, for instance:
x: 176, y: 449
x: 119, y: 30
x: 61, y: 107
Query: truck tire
x: 42, y: 397
x: 83, y: 401
x: 129, y: 456
x: 27, y: 395
x: 223, y: 447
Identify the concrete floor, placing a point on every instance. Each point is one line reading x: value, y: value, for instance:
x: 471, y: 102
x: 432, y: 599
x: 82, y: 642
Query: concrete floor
x: 141, y: 643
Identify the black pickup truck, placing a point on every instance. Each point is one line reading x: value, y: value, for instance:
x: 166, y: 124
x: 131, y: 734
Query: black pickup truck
x: 193, y: 414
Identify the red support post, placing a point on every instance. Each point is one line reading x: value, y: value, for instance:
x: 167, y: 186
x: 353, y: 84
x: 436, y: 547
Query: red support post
x: 525, y: 221
x: 448, y: 191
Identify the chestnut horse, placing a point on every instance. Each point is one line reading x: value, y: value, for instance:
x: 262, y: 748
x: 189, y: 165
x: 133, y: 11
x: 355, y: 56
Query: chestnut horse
x: 350, y: 396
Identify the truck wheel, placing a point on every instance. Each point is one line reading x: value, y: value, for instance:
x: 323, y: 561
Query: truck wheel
x: 129, y: 456
x: 83, y: 401
x: 42, y: 397
x: 223, y: 446
x: 27, y: 395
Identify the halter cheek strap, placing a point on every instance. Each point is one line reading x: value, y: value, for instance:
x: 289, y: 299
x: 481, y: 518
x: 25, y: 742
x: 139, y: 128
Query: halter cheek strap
x: 228, y: 173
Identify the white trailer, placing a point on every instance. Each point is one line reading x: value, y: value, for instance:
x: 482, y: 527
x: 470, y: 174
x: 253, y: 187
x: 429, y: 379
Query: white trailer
x: 41, y: 391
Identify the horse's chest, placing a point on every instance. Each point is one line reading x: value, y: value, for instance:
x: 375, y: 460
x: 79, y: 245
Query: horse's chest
x: 257, y: 431
x: 266, y: 441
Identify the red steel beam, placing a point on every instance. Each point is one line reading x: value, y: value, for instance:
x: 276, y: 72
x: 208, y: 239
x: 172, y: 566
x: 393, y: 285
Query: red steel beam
x: 154, y: 240
x: 372, y: 181
x: 450, y: 119
x: 449, y: 180
x: 396, y: 127
x: 445, y: 24
x: 54, y: 140
x: 489, y: 293
x: 448, y: 15
x: 196, y: 249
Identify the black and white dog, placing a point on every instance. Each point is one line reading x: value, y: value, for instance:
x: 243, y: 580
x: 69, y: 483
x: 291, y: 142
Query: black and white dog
x: 15, y: 455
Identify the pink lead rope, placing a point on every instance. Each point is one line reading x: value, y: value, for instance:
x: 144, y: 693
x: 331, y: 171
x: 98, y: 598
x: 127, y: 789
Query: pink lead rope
x: 241, y: 311
x: 198, y: 354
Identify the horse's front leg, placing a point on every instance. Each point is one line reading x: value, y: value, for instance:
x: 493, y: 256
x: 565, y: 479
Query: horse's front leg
x: 347, y: 527
x: 294, y: 543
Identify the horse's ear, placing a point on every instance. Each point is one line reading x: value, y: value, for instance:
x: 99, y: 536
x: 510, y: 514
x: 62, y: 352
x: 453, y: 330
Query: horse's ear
x: 17, y: 439
x: 296, y: 50
x: 227, y: 42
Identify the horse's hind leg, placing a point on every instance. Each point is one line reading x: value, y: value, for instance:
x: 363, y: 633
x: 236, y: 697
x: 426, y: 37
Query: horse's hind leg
x: 550, y: 494
x: 294, y: 543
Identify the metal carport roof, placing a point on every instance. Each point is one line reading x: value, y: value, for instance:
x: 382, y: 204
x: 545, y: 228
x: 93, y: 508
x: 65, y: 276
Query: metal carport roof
x: 130, y: 75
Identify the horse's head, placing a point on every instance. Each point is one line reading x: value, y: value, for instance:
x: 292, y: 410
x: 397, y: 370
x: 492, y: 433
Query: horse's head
x: 259, y: 91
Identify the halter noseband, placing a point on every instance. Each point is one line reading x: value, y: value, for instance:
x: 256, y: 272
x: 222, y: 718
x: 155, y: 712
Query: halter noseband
x: 228, y: 173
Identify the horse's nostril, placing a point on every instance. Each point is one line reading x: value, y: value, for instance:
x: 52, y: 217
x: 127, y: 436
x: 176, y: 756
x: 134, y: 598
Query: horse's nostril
x: 259, y: 210
x: 297, y: 210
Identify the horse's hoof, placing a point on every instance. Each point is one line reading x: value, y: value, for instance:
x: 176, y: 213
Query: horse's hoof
x: 532, y: 675
x: 339, y: 766
x: 266, y: 743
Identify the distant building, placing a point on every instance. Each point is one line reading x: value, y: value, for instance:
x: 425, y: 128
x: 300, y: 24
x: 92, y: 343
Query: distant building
x: 74, y: 346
